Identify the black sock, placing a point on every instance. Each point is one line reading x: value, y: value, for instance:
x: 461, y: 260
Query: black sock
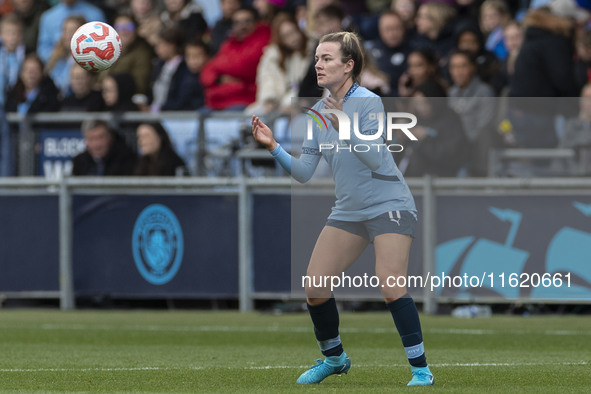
x: 326, y: 327
x: 406, y: 317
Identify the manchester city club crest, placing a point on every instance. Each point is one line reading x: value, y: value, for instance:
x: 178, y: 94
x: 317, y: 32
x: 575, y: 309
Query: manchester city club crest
x: 157, y: 244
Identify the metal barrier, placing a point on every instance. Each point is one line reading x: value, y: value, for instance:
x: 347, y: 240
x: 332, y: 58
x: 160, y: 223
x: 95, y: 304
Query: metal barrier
x: 498, y: 157
x: 25, y: 136
x: 244, y: 188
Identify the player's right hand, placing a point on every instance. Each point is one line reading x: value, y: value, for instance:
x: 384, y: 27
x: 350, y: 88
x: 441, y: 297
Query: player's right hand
x: 263, y: 134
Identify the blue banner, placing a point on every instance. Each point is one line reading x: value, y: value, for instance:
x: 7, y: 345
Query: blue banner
x: 156, y: 246
x: 500, y: 247
x: 496, y: 247
x: 29, y: 250
x: 58, y: 148
x: 522, y: 246
x: 271, y: 243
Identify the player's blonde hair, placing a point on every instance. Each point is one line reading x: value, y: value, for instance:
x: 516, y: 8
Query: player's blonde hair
x: 351, y: 49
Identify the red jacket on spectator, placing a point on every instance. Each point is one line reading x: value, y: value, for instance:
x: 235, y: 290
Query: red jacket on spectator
x: 236, y: 61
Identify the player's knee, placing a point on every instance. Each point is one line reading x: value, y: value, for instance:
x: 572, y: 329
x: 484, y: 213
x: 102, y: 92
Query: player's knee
x: 392, y: 293
x: 388, y: 299
x: 317, y: 293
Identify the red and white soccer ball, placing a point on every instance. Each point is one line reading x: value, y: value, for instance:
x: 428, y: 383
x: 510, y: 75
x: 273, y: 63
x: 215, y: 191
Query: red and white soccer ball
x: 95, y: 46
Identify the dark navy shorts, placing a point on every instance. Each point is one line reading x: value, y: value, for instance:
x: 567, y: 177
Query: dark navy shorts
x: 397, y: 222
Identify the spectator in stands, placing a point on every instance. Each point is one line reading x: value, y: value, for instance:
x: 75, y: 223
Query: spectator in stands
x: 223, y: 28
x: 390, y: 51
x: 373, y: 78
x: 268, y: 9
x: 61, y: 61
x: 434, y: 28
x: 49, y: 34
x: 407, y: 9
x: 327, y: 20
x: 442, y: 145
x: 5, y: 7
x: 300, y: 12
x: 29, y: 12
x: 494, y: 14
x: 229, y: 78
x: 186, y: 15
x: 422, y: 66
x: 106, y: 152
x: 33, y: 91
x: 281, y: 68
x: 313, y: 23
x: 544, y: 68
x: 577, y: 133
x: 197, y: 53
x: 112, y: 8
x: 469, y: 38
x: 12, y: 53
x: 172, y: 87
x: 82, y: 97
x: 513, y: 34
x: 471, y: 99
x: 157, y: 155
x: 117, y: 91
x: 148, y: 18
x: 583, y: 62
x: 362, y: 17
x: 137, y: 56
x: 468, y: 10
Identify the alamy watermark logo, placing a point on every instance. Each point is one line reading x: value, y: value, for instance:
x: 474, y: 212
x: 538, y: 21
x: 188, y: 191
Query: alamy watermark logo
x: 372, y: 138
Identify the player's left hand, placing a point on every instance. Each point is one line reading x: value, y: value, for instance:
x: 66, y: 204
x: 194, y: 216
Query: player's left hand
x: 263, y: 134
x: 331, y: 103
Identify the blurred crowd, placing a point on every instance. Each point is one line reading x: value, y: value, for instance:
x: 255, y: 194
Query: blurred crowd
x: 256, y: 55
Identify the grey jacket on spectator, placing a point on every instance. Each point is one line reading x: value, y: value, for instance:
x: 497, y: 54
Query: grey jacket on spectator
x: 474, y: 105
x: 577, y: 136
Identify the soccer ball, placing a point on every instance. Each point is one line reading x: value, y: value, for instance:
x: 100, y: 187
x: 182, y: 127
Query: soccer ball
x: 95, y: 46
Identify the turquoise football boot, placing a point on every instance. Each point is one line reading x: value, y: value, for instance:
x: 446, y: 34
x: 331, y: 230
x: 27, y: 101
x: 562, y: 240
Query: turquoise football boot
x: 421, y: 376
x: 334, y: 365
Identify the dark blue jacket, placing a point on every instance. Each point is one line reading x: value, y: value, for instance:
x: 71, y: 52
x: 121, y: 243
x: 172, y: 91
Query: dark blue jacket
x: 392, y: 61
x: 185, y: 92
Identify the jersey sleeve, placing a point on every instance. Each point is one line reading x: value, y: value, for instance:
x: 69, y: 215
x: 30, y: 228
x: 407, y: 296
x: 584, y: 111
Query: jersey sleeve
x: 371, y: 121
x: 301, y: 168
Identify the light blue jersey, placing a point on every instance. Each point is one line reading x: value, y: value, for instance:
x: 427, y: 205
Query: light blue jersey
x: 362, y: 193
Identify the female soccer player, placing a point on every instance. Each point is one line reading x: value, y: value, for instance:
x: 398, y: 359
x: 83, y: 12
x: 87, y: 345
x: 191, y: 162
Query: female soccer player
x: 374, y: 205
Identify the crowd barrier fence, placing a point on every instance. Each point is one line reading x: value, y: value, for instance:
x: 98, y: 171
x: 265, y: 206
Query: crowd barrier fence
x: 433, y: 196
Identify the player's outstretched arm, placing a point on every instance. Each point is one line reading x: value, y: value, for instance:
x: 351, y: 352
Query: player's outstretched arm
x: 301, y: 169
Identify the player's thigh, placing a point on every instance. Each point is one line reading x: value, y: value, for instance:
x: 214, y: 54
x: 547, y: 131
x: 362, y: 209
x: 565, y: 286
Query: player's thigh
x: 334, y: 252
x: 392, y: 251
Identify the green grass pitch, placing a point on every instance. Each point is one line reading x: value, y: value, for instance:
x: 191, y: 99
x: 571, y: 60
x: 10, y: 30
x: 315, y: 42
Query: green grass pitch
x: 190, y: 352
